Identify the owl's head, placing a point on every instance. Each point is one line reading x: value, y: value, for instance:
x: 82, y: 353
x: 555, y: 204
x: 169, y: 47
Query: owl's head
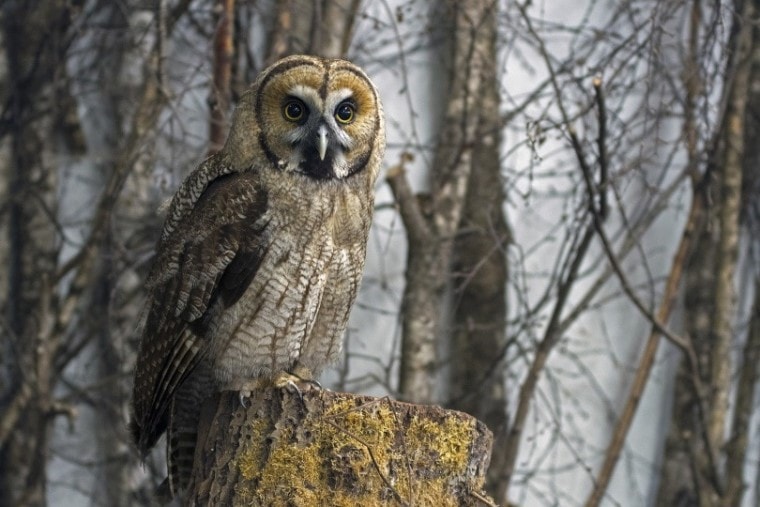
x: 318, y: 117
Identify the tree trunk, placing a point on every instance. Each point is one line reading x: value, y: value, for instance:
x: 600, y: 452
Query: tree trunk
x: 317, y: 27
x: 749, y: 369
x: 692, y: 474
x: 431, y: 231
x: 318, y: 447
x: 220, y: 93
x: 478, y: 340
x: 35, y: 43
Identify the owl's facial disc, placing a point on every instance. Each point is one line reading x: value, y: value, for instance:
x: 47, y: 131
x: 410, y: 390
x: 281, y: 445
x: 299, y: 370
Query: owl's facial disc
x: 318, y: 138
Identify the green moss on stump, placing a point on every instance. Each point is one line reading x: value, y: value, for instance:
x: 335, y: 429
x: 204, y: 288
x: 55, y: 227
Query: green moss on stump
x: 340, y: 449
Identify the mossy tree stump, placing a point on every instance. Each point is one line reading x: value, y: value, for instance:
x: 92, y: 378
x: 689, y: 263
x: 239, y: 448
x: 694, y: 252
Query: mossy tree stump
x: 326, y: 448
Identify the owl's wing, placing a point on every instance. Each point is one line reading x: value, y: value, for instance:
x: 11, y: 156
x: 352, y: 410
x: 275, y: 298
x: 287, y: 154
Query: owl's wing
x: 201, y: 268
x: 211, y: 170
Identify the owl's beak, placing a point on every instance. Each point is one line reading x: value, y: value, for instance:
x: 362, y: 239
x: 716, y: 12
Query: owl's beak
x: 322, y: 141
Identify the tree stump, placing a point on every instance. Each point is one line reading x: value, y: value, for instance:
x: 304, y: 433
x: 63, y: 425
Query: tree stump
x: 325, y: 448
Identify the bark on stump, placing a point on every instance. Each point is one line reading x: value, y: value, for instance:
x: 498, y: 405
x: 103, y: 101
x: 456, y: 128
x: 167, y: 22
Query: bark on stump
x: 337, y: 449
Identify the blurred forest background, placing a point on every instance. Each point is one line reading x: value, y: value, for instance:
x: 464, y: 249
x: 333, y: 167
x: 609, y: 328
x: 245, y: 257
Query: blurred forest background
x: 566, y: 241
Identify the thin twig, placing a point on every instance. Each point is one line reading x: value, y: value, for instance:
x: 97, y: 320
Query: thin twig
x: 552, y: 332
x: 602, y: 146
x: 658, y: 329
x: 328, y: 420
x: 482, y: 499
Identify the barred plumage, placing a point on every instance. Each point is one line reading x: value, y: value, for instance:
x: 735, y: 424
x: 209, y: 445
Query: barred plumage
x: 263, y: 248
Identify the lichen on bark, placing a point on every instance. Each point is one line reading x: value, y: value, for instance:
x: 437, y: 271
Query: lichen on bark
x: 325, y: 448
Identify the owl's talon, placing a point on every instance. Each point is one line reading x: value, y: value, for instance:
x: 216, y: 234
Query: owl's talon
x: 293, y: 388
x: 291, y: 381
x: 243, y: 398
x: 305, y: 376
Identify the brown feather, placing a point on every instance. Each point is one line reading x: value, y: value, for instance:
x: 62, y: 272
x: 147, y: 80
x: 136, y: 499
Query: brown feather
x: 262, y: 251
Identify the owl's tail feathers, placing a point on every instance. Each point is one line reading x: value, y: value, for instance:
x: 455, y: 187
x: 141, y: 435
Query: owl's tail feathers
x: 179, y: 418
x: 180, y: 452
x: 182, y: 429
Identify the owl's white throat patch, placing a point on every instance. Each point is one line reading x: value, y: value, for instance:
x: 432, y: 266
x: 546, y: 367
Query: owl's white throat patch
x: 340, y: 166
x: 334, y: 166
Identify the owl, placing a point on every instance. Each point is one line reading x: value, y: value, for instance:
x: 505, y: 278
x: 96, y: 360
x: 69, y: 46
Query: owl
x: 262, y: 250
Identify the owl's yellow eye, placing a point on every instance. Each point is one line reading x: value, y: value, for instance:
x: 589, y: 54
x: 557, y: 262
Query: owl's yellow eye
x: 294, y: 110
x: 344, y: 113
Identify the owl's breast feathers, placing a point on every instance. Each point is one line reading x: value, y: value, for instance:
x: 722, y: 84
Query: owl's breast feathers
x: 240, y: 237
x: 202, y: 267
